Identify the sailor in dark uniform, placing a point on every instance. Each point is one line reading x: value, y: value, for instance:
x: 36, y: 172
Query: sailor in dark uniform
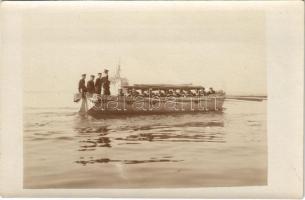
x: 106, y: 83
x: 98, y: 84
x: 90, y: 85
x: 82, y: 85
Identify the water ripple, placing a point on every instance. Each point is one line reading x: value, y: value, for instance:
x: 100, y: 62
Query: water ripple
x: 107, y: 160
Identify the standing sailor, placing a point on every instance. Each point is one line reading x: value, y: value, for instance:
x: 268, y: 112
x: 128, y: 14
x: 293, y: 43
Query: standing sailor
x: 82, y: 86
x: 90, y: 85
x: 98, y: 84
x: 106, y: 83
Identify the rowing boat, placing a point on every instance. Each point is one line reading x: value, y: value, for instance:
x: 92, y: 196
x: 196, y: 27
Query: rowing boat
x: 122, y: 104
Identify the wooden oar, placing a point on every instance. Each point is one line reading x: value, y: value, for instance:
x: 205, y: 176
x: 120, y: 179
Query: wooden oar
x: 84, y: 107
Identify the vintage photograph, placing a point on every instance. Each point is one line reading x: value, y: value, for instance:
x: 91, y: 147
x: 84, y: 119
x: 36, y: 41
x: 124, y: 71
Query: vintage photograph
x: 161, y: 96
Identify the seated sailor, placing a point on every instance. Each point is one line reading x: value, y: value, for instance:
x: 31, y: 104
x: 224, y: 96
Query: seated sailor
x: 156, y: 93
x: 162, y: 93
x: 135, y: 93
x: 182, y: 93
x: 128, y: 93
x: 177, y: 93
x: 188, y: 93
x: 211, y: 91
x: 144, y: 93
x: 170, y: 93
x: 194, y: 93
x: 202, y: 92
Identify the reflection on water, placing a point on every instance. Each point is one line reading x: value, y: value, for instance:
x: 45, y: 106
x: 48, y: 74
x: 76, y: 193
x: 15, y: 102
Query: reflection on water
x: 63, y: 150
x: 107, y: 160
x: 161, y: 134
x: 93, y: 138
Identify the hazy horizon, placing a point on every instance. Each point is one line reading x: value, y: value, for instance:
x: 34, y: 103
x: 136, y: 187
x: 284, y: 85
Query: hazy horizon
x: 224, y: 50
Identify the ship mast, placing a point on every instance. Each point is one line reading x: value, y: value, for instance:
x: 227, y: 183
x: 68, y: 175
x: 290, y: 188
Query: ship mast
x: 118, y: 71
x: 117, y: 76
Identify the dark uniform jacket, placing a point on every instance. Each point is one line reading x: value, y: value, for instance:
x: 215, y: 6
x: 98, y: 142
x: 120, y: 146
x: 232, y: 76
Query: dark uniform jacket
x: 90, y: 86
x: 98, y: 85
x: 82, y: 86
x: 106, y: 85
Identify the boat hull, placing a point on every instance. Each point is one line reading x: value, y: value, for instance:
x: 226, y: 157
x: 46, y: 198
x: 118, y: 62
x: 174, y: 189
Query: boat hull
x: 115, y: 105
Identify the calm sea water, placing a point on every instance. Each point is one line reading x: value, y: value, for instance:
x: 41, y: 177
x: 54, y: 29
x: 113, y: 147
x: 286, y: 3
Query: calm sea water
x: 64, y: 150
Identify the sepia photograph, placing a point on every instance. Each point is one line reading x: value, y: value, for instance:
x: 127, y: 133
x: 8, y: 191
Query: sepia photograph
x: 144, y: 97
x: 152, y: 99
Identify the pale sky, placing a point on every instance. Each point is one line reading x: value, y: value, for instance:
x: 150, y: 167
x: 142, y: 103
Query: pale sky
x: 224, y: 49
